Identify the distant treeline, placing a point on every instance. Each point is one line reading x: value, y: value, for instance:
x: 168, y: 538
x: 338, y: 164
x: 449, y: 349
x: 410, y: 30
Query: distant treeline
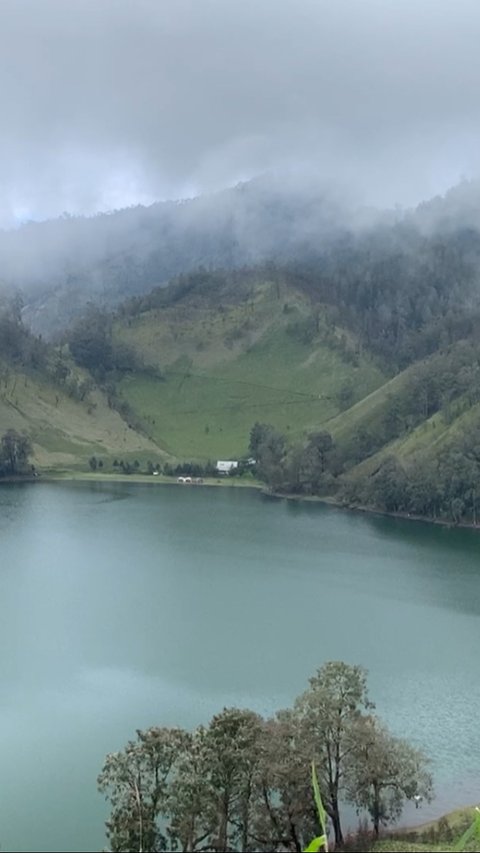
x: 404, y: 295
x: 444, y: 483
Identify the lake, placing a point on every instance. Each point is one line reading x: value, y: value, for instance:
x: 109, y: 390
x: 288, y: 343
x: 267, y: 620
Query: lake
x: 124, y: 606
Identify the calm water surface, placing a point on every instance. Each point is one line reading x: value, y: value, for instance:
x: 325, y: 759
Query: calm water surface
x: 123, y: 606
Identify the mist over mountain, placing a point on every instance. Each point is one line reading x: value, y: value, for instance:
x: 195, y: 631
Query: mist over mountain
x: 272, y: 286
x: 61, y: 264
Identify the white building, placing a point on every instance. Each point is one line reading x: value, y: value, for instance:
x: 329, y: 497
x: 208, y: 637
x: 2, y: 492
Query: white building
x: 225, y: 466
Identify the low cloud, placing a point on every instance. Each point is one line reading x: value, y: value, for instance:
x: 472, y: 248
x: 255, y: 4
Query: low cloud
x: 105, y: 104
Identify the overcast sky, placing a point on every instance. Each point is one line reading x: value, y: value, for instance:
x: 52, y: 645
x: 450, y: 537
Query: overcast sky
x: 105, y: 103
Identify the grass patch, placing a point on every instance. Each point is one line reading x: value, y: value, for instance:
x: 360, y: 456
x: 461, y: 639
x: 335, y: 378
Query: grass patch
x: 66, y: 432
x: 195, y: 412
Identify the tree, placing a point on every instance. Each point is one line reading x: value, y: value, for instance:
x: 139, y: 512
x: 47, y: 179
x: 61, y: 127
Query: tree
x: 269, y: 448
x: 232, y: 741
x: 283, y: 814
x: 385, y: 771
x: 388, y: 488
x: 312, y: 468
x: 244, y: 784
x: 328, y: 715
x: 15, y: 450
x: 321, y: 444
x: 90, y: 341
x: 191, y: 807
x: 212, y: 795
x: 424, y: 488
x: 136, y: 783
x: 345, y: 396
x: 258, y: 435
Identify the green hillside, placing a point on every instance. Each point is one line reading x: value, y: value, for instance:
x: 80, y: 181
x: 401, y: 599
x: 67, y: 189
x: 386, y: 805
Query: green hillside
x: 355, y: 397
x: 65, y: 432
x: 215, y: 353
x: 214, y: 371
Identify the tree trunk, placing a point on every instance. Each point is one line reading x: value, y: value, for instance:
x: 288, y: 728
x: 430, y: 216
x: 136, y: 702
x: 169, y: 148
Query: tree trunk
x: 336, y: 824
x: 246, y: 819
x: 140, y: 815
x: 223, y: 827
x: 376, y: 811
x: 293, y: 833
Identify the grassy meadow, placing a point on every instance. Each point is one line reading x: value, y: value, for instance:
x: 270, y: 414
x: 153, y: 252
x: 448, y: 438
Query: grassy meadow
x: 212, y: 376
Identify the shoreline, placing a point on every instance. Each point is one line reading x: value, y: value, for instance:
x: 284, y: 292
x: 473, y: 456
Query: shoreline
x: 230, y: 482
x: 147, y: 479
x: 367, y: 510
x: 455, y: 814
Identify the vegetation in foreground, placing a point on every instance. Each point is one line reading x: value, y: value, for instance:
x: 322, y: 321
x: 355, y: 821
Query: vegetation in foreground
x: 244, y: 783
x: 456, y: 832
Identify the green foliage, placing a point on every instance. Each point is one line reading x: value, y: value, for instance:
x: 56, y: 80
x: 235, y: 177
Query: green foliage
x: 244, y: 783
x: 328, y: 715
x: 458, y: 831
x: 89, y: 341
x: 190, y: 469
x: 322, y: 815
x: 470, y: 834
x: 268, y: 447
x: 317, y: 844
x: 385, y: 771
x: 93, y: 463
x: 15, y: 450
x: 321, y: 841
x: 393, y: 288
x: 18, y: 345
x: 136, y: 783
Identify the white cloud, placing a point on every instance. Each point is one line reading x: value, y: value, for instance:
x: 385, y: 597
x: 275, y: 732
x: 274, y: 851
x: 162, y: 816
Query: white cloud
x: 112, y: 102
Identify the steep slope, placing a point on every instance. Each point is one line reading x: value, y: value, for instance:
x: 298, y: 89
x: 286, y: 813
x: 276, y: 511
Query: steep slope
x: 66, y: 432
x: 216, y: 367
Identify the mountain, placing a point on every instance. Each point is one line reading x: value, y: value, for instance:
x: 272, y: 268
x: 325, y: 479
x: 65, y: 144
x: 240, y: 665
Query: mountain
x: 360, y: 368
x: 62, y: 264
x: 349, y: 370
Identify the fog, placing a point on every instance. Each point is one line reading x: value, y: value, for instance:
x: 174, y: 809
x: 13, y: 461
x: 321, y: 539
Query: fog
x: 62, y: 263
x: 109, y: 104
x: 280, y: 126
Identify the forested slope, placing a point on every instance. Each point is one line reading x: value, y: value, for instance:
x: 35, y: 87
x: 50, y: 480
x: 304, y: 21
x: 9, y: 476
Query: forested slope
x: 67, y: 417
x: 374, y: 346
x: 357, y: 360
